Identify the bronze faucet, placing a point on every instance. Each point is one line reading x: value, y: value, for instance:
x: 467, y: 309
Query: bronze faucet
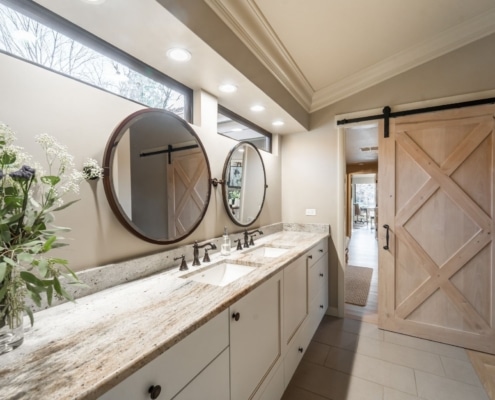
x: 246, y: 237
x: 196, y: 248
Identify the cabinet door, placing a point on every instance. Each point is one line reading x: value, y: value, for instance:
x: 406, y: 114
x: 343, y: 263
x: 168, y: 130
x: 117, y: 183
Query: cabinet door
x: 175, y: 368
x: 295, y: 297
x: 255, y: 341
x: 212, y: 383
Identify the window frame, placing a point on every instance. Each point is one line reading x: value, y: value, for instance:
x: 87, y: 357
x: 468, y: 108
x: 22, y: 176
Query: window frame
x: 243, y: 121
x: 75, y: 32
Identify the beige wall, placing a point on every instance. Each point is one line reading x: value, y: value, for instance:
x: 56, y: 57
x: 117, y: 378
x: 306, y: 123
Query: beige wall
x: 33, y: 101
x: 313, y: 163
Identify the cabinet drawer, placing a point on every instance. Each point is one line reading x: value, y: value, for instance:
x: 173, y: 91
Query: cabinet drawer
x: 317, y: 277
x: 296, y: 350
x: 211, y: 383
x: 317, y: 252
x: 317, y: 310
x: 175, y: 368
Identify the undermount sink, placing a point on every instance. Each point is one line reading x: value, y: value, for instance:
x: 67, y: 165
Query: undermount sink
x: 220, y: 274
x: 268, y: 251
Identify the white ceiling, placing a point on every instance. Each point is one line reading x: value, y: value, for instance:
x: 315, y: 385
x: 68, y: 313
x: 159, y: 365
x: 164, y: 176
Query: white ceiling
x: 324, y: 51
x: 320, y: 51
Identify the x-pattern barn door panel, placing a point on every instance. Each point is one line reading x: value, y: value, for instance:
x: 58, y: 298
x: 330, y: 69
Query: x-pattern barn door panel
x: 436, y: 178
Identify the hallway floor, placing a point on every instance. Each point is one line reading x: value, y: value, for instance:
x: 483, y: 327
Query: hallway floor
x: 351, y: 359
x: 363, y: 252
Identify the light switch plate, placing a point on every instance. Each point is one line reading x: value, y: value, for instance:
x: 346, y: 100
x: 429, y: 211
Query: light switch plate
x: 310, y: 211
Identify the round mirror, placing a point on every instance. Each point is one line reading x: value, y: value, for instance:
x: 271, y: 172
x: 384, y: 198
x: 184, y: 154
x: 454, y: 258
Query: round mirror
x: 157, y: 176
x: 244, y: 184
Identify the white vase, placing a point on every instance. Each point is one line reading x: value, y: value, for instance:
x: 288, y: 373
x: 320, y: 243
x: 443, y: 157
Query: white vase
x: 11, y: 338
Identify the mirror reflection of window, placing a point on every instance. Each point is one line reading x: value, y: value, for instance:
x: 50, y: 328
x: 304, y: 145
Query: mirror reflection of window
x: 244, y: 191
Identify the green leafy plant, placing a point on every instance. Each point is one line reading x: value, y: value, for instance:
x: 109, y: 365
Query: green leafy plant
x: 29, y: 197
x: 235, y: 194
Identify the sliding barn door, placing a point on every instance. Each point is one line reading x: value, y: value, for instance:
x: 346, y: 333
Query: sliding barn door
x: 436, y: 183
x: 188, y: 190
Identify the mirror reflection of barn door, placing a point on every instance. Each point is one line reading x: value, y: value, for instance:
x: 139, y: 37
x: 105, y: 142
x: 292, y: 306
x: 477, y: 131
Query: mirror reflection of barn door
x: 436, y: 194
x: 187, y: 184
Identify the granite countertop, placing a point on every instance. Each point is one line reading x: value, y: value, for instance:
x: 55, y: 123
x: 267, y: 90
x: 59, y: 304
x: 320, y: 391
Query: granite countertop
x: 81, y: 350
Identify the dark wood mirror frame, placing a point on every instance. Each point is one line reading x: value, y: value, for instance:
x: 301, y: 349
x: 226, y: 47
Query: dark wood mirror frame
x: 230, y: 185
x: 178, y: 125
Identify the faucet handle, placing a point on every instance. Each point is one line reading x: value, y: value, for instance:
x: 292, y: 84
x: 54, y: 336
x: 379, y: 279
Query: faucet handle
x: 183, y: 265
x: 251, y: 241
x: 239, y: 244
x: 206, y: 258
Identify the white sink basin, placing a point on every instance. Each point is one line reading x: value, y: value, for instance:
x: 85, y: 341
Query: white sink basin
x: 220, y: 274
x: 268, y: 251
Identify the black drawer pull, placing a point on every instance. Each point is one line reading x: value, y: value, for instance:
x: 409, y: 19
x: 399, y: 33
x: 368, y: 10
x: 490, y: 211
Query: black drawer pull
x: 236, y: 316
x: 300, y: 350
x: 321, y: 305
x: 321, y: 250
x: 154, y: 391
x: 321, y: 274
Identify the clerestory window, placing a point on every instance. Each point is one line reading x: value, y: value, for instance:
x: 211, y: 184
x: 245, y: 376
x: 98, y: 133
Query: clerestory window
x: 32, y: 33
x: 238, y: 128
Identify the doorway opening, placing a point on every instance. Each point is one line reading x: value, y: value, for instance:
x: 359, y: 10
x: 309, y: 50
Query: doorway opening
x: 361, y: 271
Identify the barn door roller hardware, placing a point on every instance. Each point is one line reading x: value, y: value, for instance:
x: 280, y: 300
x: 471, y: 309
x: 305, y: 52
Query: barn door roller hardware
x: 387, y: 113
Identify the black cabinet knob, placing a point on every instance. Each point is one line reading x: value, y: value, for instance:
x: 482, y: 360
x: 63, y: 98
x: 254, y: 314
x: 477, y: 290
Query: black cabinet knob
x: 310, y: 257
x: 321, y: 305
x: 321, y: 274
x: 236, y: 316
x: 154, y: 391
x: 321, y: 250
x: 300, y: 349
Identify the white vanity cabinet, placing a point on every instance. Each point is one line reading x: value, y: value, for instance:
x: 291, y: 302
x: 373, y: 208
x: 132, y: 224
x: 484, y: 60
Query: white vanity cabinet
x: 197, y: 364
x: 255, y: 338
x: 305, y: 303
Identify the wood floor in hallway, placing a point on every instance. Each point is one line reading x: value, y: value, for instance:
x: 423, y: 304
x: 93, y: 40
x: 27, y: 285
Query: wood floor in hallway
x: 363, y: 252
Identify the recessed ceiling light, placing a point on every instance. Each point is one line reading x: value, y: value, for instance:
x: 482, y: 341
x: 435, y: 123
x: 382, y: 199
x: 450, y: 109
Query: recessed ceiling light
x: 227, y: 88
x: 178, y: 54
x: 277, y: 123
x: 257, y: 108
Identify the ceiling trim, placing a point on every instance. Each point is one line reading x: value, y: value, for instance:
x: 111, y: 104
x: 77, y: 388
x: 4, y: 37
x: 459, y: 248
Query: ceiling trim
x: 247, y: 21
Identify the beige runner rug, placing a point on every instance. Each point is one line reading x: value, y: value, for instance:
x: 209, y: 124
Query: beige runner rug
x: 357, y: 284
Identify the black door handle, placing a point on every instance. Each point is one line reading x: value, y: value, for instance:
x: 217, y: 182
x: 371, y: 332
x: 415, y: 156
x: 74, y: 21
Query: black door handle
x: 386, y: 237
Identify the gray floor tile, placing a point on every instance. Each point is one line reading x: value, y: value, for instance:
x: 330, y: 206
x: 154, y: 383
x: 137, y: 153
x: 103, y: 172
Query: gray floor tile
x: 433, y: 387
x: 372, y: 369
x: 461, y: 371
x: 335, y: 385
x: 426, y: 345
x: 295, y: 393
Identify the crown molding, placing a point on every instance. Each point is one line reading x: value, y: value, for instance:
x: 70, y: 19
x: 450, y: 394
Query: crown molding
x: 247, y: 21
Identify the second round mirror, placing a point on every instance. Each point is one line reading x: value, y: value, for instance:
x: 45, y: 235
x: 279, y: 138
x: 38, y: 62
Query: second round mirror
x: 244, y: 184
